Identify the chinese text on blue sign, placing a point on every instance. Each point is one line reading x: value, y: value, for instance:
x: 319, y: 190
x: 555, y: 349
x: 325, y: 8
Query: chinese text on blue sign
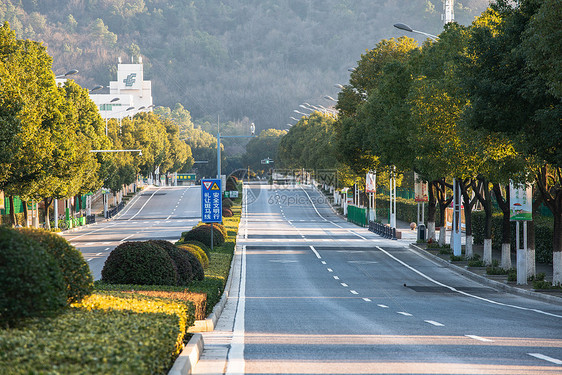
x: 211, y: 202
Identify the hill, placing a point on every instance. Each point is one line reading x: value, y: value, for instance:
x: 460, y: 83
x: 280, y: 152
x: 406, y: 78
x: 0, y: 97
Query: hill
x: 257, y: 59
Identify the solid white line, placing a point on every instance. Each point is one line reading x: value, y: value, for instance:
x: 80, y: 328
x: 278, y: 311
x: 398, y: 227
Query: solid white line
x: 437, y: 324
x: 404, y: 313
x: 315, y: 252
x: 236, y: 363
x: 353, y: 292
x: 479, y: 338
x: 546, y: 358
x: 123, y: 240
x: 465, y: 293
x: 383, y: 306
x: 145, y: 203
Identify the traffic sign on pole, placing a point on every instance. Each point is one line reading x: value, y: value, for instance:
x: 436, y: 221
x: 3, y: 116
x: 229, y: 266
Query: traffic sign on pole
x: 211, y: 201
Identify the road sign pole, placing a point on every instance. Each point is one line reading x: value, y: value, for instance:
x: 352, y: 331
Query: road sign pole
x: 212, y: 234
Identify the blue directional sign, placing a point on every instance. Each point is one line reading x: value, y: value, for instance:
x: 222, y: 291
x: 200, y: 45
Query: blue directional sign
x: 211, y: 202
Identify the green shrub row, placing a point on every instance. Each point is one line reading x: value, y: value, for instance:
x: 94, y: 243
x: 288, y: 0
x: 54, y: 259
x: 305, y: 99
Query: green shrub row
x: 543, y: 234
x: 107, y: 333
x: 40, y: 274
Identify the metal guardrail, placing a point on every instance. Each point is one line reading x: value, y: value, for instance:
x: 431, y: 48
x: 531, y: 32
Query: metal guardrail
x: 382, y: 230
x: 115, y: 210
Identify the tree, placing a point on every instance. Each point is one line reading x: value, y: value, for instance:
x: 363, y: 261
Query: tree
x: 264, y: 146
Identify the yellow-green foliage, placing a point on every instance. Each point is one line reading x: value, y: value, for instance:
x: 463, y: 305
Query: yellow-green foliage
x: 104, y: 334
x: 197, y: 252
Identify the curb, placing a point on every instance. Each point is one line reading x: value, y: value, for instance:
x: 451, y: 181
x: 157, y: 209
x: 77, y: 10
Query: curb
x: 189, y: 356
x: 484, y: 280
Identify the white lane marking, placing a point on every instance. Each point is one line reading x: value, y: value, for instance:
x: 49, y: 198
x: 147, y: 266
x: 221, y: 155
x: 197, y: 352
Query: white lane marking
x: 98, y: 254
x: 323, y: 262
x: 329, y: 221
x: 465, y: 293
x: 87, y: 260
x: 479, y: 338
x: 366, y: 300
x: 145, y: 203
x: 546, y: 358
x: 94, y: 231
x: 337, y: 278
x: 433, y: 322
x: 404, y: 313
x: 315, y: 252
x: 383, y: 306
x: 236, y: 363
x: 330, y: 270
x: 106, y: 248
x: 344, y: 285
x: 353, y: 292
x: 126, y: 238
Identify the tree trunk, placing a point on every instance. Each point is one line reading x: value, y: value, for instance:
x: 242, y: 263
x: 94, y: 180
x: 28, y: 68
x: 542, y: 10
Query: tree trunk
x: 531, y: 249
x: 549, y: 182
x: 47, y: 203
x: 443, y: 204
x: 13, y: 218
x: 431, y: 210
x: 468, y: 203
x: 482, y: 192
x: 25, y: 214
x: 506, y: 224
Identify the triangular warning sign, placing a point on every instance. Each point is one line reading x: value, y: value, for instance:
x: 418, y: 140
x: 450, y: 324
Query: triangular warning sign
x: 207, y: 184
x: 215, y: 187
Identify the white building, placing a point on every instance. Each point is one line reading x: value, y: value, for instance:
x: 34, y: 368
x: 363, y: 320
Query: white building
x: 128, y: 95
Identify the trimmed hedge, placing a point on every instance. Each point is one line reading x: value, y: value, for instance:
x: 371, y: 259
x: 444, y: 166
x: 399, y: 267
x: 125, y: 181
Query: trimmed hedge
x: 108, y: 333
x: 227, y: 212
x: 139, y: 263
x: 198, y: 271
x: 202, y: 233
x: 201, y: 245
x: 227, y: 203
x: 198, y: 252
x: 543, y: 234
x: 31, y: 283
x: 75, y: 271
x: 180, y: 259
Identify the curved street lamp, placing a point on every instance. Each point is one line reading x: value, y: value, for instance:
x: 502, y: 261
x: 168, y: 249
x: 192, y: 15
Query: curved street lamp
x: 407, y: 28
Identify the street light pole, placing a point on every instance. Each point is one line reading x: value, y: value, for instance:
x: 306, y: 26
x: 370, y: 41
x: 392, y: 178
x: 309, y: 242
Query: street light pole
x: 407, y: 28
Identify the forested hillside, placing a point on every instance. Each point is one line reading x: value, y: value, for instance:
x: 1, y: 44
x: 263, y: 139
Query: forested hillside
x: 258, y: 59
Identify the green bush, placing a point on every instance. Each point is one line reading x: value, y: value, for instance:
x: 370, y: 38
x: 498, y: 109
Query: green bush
x: 543, y: 234
x: 227, y: 203
x: 201, y: 245
x: 180, y: 259
x: 139, y: 263
x: 196, y: 266
x: 231, y: 183
x: 202, y: 233
x: 31, y: 282
x: 108, y: 333
x: 75, y: 270
x: 198, y: 252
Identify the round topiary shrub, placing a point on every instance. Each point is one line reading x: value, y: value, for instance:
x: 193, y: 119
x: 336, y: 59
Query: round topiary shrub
x: 201, y: 245
x: 227, y: 212
x: 139, y: 263
x: 181, y: 260
x: 75, y: 270
x: 31, y: 283
x: 231, y: 183
x: 198, y: 252
x: 227, y: 203
x: 196, y: 266
x: 202, y: 233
